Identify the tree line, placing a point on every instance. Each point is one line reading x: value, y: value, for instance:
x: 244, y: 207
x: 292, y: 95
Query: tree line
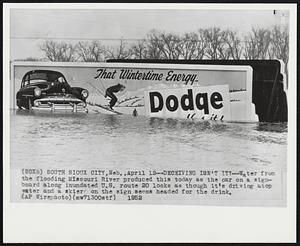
x: 205, y: 43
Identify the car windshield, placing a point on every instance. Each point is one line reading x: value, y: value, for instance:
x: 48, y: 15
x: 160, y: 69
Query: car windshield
x: 50, y: 77
x: 43, y: 77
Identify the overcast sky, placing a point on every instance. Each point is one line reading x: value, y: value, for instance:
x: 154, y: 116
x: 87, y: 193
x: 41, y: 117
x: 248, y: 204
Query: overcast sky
x: 29, y: 27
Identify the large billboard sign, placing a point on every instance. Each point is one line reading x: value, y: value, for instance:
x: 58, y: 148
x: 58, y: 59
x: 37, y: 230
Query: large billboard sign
x: 123, y: 87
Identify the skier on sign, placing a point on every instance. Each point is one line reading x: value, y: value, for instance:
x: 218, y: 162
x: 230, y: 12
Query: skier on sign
x: 110, y: 93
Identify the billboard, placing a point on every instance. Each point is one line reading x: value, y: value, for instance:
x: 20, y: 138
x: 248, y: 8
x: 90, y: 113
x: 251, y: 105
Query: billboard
x: 103, y: 79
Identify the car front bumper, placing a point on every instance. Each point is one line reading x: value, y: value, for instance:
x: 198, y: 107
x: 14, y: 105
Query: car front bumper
x: 60, y: 103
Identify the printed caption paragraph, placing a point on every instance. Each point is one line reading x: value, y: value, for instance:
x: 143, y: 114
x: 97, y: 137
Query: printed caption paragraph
x: 144, y: 186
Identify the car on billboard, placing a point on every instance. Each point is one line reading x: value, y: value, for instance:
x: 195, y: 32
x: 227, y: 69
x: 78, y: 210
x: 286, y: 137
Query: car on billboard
x: 47, y: 89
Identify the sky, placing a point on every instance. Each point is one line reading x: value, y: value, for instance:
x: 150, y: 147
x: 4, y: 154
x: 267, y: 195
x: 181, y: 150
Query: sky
x: 30, y: 27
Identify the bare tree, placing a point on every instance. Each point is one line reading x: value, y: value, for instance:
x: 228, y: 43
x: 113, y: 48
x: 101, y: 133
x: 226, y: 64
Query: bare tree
x: 58, y: 51
x: 257, y: 44
x: 216, y: 48
x: 153, y: 44
x: 188, y: 45
x: 163, y: 45
x: 160, y: 45
x: 120, y: 52
x: 170, y: 45
x: 211, y: 43
x: 233, y: 44
x: 91, y: 51
x: 202, y: 45
x: 139, y: 50
x: 279, y: 45
x: 191, y: 46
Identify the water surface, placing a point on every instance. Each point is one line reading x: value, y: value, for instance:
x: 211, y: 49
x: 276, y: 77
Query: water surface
x: 123, y: 141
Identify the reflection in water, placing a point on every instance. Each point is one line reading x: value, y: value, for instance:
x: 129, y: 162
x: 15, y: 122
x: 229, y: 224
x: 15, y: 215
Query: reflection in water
x: 112, y: 141
x: 49, y: 114
x: 111, y: 121
x: 272, y: 127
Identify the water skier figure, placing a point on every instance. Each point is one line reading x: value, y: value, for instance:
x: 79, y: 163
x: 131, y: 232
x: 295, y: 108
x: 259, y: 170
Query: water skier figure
x: 110, y: 93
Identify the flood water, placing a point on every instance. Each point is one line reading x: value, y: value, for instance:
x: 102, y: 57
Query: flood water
x: 123, y: 141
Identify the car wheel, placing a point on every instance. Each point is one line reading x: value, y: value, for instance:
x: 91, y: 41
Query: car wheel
x: 19, y: 103
x: 27, y: 103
